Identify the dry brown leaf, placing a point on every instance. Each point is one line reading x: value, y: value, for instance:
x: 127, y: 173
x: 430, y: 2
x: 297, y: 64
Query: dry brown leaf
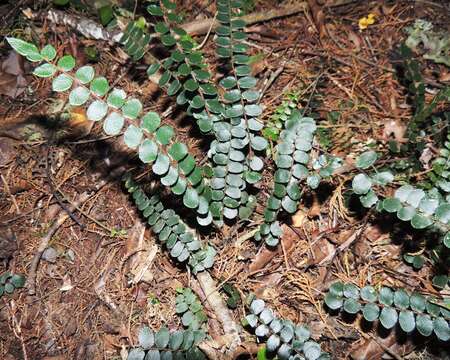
x: 355, y: 39
x: 265, y: 255
x: 299, y: 218
x: 371, y: 350
x: 322, y: 251
x: 7, y: 151
x: 396, y: 128
x: 12, y: 79
x: 67, y: 284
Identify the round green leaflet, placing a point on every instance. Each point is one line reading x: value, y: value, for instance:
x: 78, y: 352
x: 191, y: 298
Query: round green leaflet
x: 85, y: 74
x: 97, y: 110
x: 79, y: 96
x: 180, y: 186
x: 406, y: 213
x: 116, y: 98
x: 401, y: 299
x: 161, y: 166
x: 62, y: 82
x: 162, y: 338
x: 386, y: 296
x: 99, y: 86
x: 424, y: 324
x: 369, y: 200
x: 151, y: 121
x: 289, y: 205
x: 420, y: 222
x: 48, y: 52
x: 351, y: 291
x: 351, y: 306
x: 337, y: 289
x: 45, y: 70
x: 443, y: 213
x: 388, y: 317
x: 187, y: 165
x: 371, y: 312
x: 334, y: 302
x: 368, y: 293
x: 258, y: 143
x: 367, y: 159
x: 415, y: 196
x: 66, y: 63
x: 146, y: 338
x: 361, y: 184
x: 392, y: 205
x: 132, y: 108
x: 191, y: 198
x: 407, y: 320
x: 178, y: 151
x: 113, y: 123
x: 313, y: 181
x: 136, y: 354
x: 273, y: 343
x: 441, y: 329
x: 311, y: 349
x: 403, y: 192
x: 133, y: 136
x: 253, y: 110
x: 164, y: 134
x: 383, y: 178
x: 148, y: 151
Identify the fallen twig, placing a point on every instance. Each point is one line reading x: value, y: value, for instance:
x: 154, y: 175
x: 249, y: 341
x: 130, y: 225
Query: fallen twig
x: 230, y: 327
x: 201, y: 27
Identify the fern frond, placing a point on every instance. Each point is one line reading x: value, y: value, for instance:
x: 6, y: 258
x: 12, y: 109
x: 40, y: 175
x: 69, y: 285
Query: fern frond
x: 411, y: 311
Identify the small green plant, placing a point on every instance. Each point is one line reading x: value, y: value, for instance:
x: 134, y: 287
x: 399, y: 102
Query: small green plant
x: 227, y: 113
x: 291, y: 158
x: 435, y: 44
x: 410, y: 311
x: 416, y: 87
x: 422, y: 209
x: 440, y: 176
x: 190, y: 309
x: 282, y: 113
x: 10, y: 282
x: 282, y: 337
x: 165, y: 344
x: 232, y: 294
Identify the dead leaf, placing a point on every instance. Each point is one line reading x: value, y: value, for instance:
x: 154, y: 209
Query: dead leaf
x: 322, y: 251
x: 67, y: 284
x: 356, y: 40
x: 396, y: 128
x: 8, y: 243
x: 12, y: 79
x: 7, y: 151
x: 316, y: 8
x: 426, y: 156
x: 371, y: 350
x: 265, y: 255
x: 299, y: 218
x: 144, y: 261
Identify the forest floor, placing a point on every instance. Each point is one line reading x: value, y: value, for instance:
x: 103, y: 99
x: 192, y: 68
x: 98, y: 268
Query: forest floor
x: 104, y: 275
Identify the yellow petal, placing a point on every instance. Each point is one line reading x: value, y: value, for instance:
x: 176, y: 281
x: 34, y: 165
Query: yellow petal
x: 370, y: 21
x: 371, y: 16
x: 363, y: 23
